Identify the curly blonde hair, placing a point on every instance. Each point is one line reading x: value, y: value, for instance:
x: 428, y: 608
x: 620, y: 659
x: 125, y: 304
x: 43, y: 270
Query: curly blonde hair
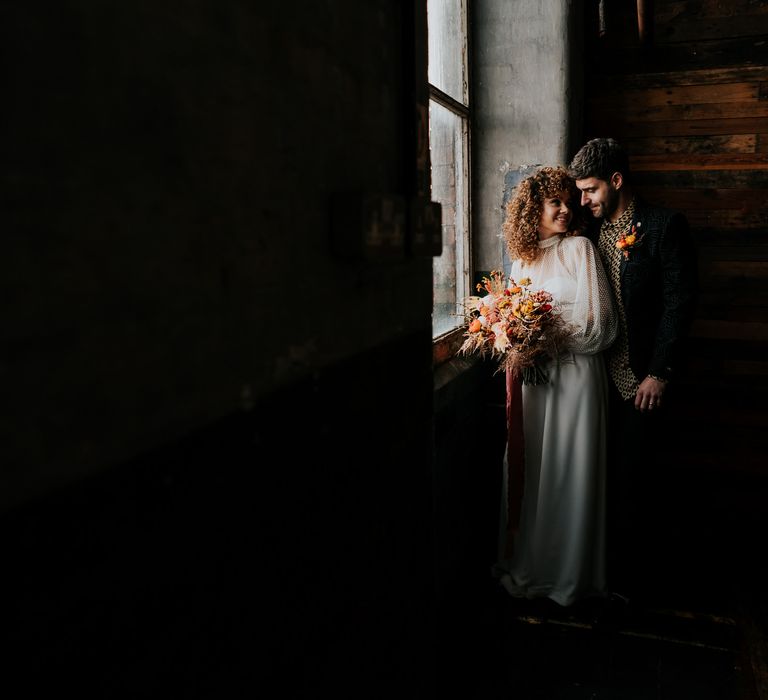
x: 523, y: 212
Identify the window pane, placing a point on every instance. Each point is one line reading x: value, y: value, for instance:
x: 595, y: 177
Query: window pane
x: 448, y: 47
x: 448, y: 152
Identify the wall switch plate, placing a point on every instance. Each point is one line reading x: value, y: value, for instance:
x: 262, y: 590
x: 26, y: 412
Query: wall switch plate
x: 369, y: 226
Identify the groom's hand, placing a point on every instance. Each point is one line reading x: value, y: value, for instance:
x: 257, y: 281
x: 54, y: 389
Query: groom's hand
x: 649, y: 394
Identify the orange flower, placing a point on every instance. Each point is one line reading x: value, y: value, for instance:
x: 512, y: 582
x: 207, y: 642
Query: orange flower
x: 475, y: 326
x: 629, y: 240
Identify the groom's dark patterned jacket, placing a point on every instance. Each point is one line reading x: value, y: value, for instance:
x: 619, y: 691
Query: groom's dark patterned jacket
x: 659, y: 285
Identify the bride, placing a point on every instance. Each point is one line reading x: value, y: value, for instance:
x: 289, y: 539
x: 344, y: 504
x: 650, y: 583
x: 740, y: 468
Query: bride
x: 552, y: 534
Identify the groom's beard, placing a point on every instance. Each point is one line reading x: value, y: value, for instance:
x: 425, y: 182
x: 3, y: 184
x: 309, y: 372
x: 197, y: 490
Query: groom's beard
x: 606, y: 209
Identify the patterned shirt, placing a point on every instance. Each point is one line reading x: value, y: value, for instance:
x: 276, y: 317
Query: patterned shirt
x: 618, y: 354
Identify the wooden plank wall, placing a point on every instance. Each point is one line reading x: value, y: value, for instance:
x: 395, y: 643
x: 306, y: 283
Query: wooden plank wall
x: 692, y: 109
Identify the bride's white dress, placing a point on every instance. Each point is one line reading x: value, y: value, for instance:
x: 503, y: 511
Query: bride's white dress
x: 559, y: 550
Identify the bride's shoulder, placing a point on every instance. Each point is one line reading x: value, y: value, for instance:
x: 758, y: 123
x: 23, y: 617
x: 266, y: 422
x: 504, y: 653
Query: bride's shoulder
x: 577, y: 243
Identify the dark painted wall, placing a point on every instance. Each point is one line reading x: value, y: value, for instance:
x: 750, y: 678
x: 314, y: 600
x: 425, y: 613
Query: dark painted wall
x: 167, y: 174
x: 217, y: 433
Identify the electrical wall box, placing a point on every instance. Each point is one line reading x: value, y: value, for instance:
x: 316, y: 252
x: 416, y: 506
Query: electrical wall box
x: 368, y: 226
x: 425, y: 228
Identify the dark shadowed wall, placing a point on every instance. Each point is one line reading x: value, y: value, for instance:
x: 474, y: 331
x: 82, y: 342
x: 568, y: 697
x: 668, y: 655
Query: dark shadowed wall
x: 217, y: 431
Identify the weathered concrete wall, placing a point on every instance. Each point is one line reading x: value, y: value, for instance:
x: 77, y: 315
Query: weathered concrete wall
x: 523, y: 98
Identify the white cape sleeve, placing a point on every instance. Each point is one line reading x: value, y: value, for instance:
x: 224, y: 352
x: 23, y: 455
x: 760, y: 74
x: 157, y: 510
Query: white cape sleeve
x: 594, y: 315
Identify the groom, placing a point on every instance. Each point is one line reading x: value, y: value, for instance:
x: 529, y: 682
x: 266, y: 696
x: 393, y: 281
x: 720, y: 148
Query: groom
x: 649, y: 256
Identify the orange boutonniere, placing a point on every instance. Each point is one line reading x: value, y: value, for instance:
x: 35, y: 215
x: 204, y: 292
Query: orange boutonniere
x: 628, y: 241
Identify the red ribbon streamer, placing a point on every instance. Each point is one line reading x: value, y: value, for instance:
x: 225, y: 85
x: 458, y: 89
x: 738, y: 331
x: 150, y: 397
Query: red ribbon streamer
x: 515, y: 455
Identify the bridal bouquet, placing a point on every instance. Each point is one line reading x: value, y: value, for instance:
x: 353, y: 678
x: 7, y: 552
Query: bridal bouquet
x: 519, y: 327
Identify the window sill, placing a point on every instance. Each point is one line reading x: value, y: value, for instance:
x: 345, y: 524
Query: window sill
x: 446, y: 346
x: 449, y: 367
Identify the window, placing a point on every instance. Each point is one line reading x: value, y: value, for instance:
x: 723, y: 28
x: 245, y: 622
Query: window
x: 449, y: 132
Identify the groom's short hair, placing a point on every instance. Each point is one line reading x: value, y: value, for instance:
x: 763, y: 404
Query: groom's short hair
x: 600, y: 158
